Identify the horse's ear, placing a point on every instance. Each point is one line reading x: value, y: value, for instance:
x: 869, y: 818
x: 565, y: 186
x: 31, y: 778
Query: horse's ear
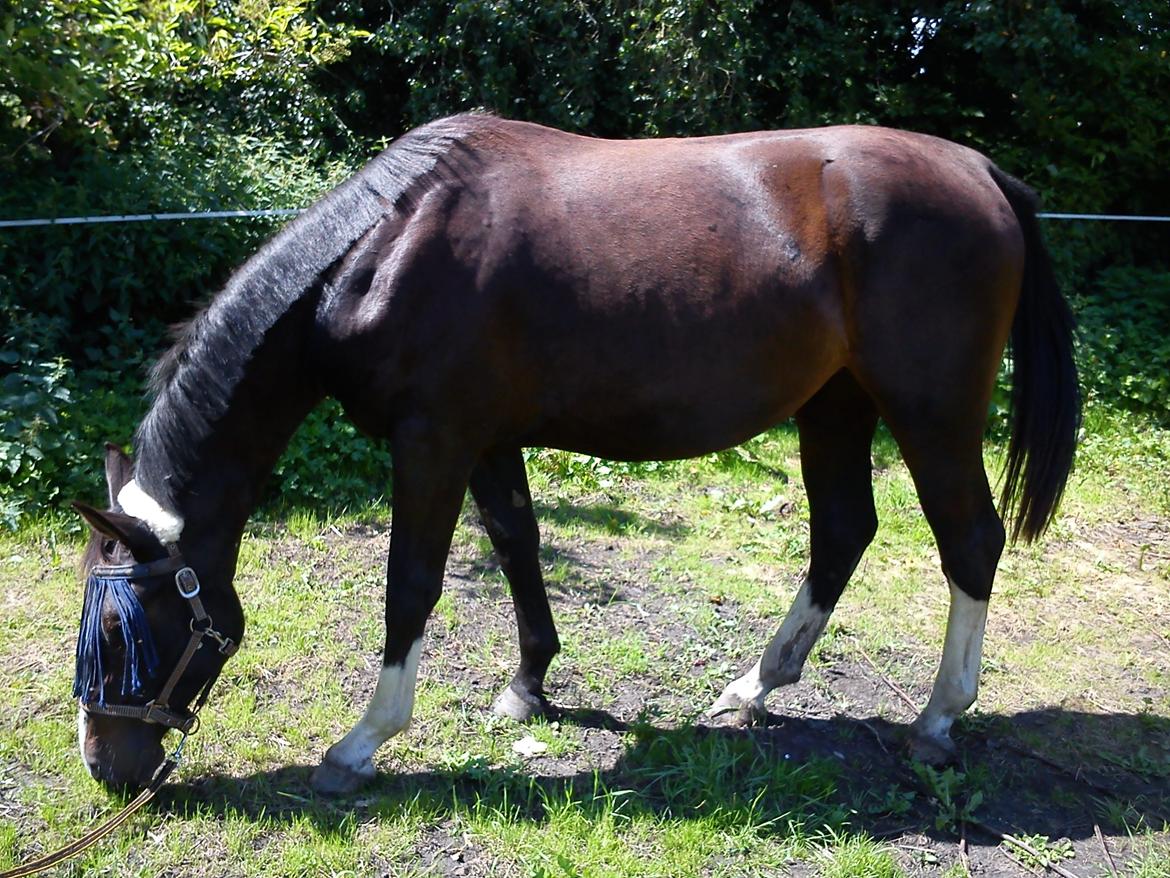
x: 126, y: 529
x: 119, y: 471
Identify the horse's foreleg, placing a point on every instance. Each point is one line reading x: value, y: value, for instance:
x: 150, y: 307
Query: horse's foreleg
x: 429, y: 483
x: 836, y: 431
x: 499, y: 485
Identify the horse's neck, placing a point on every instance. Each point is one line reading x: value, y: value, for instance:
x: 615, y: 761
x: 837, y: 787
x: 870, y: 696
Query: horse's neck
x: 232, y: 463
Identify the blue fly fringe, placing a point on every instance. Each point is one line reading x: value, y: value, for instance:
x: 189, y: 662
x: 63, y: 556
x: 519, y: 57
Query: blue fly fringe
x: 140, y: 658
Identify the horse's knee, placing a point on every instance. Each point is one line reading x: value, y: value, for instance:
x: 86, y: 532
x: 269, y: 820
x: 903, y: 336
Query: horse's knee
x: 513, y: 539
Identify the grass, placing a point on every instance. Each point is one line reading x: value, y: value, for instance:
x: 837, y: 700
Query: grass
x: 666, y: 580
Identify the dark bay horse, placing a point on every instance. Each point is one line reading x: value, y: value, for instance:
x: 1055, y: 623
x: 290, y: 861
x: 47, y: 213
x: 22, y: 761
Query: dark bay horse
x: 486, y: 285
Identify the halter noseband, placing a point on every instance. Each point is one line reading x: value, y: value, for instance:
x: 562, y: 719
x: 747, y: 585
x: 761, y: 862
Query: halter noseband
x: 158, y: 710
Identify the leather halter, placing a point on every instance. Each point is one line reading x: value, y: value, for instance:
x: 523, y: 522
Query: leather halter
x: 158, y: 710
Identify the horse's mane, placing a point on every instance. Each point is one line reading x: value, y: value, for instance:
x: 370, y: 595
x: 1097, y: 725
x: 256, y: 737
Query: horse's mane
x: 193, y: 383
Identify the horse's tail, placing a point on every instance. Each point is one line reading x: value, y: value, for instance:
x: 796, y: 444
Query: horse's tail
x: 1046, y: 398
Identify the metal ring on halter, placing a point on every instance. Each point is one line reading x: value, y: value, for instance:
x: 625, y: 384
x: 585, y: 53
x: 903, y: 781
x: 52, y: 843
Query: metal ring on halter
x: 187, y: 573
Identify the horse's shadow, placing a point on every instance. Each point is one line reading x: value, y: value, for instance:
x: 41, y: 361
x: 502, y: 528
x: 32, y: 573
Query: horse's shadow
x: 1049, y: 772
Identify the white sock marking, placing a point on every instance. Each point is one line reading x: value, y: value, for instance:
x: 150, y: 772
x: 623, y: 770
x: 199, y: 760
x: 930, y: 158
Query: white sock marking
x: 957, y: 683
x: 134, y: 501
x: 784, y: 658
x: 388, y: 714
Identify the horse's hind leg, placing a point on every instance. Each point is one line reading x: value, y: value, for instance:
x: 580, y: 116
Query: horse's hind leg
x: 430, y: 479
x: 836, y: 431
x: 499, y: 485
x: 955, y: 497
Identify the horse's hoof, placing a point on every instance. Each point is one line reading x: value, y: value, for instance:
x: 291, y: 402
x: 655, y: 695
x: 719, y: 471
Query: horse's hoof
x: 331, y: 779
x: 933, y: 750
x: 520, y: 706
x: 748, y: 712
x: 726, y: 703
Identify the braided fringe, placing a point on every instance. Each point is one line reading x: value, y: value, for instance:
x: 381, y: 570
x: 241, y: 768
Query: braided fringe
x: 141, y: 658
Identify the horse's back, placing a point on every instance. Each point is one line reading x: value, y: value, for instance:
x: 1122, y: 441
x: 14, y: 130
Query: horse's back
x: 657, y: 298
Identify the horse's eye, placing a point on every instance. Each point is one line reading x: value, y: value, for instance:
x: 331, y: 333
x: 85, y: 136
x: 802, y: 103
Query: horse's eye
x: 108, y: 547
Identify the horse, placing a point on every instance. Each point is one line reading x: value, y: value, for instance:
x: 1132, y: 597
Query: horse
x: 486, y: 285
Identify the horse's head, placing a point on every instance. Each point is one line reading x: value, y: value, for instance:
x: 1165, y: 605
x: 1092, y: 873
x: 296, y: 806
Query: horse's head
x: 153, y: 638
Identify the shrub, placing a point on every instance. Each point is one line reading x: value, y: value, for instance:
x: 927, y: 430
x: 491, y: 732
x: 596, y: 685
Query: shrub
x: 1124, y: 336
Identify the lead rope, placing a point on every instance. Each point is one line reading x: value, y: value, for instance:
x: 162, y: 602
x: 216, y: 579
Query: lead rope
x: 97, y: 834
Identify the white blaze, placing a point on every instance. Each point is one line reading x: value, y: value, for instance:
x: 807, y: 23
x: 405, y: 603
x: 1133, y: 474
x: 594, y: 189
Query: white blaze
x: 81, y: 733
x: 165, y: 525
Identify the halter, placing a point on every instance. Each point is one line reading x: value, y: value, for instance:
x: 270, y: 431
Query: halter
x: 158, y: 710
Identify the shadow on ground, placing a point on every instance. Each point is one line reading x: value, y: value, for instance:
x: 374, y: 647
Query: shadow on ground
x: 1042, y: 772
x: 607, y: 519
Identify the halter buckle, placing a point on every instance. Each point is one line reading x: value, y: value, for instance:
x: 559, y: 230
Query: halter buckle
x: 187, y: 582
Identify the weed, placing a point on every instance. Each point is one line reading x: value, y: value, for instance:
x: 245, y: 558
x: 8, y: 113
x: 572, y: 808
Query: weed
x: 7, y: 845
x: 1047, y: 852
x: 1152, y: 860
x: 950, y: 793
x: 893, y: 801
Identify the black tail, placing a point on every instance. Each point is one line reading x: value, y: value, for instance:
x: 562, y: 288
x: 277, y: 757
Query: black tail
x: 1046, y: 398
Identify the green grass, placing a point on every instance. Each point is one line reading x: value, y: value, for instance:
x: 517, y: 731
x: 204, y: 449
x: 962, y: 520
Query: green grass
x: 667, y: 580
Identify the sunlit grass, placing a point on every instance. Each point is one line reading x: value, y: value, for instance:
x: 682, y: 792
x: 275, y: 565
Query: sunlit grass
x: 711, y: 552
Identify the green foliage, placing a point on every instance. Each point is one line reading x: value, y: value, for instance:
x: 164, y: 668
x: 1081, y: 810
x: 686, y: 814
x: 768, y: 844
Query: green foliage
x: 112, y: 106
x: 950, y: 793
x: 584, y: 469
x: 149, y: 272
x: 1124, y: 343
x: 32, y: 395
x: 1047, y: 854
x: 857, y: 857
x: 105, y: 74
x: 330, y: 465
x: 55, y: 421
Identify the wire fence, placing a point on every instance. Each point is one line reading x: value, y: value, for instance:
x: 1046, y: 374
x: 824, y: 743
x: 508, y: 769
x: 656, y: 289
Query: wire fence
x: 145, y: 217
x: 292, y: 211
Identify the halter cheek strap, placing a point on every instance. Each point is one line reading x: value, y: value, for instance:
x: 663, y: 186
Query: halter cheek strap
x: 158, y: 710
